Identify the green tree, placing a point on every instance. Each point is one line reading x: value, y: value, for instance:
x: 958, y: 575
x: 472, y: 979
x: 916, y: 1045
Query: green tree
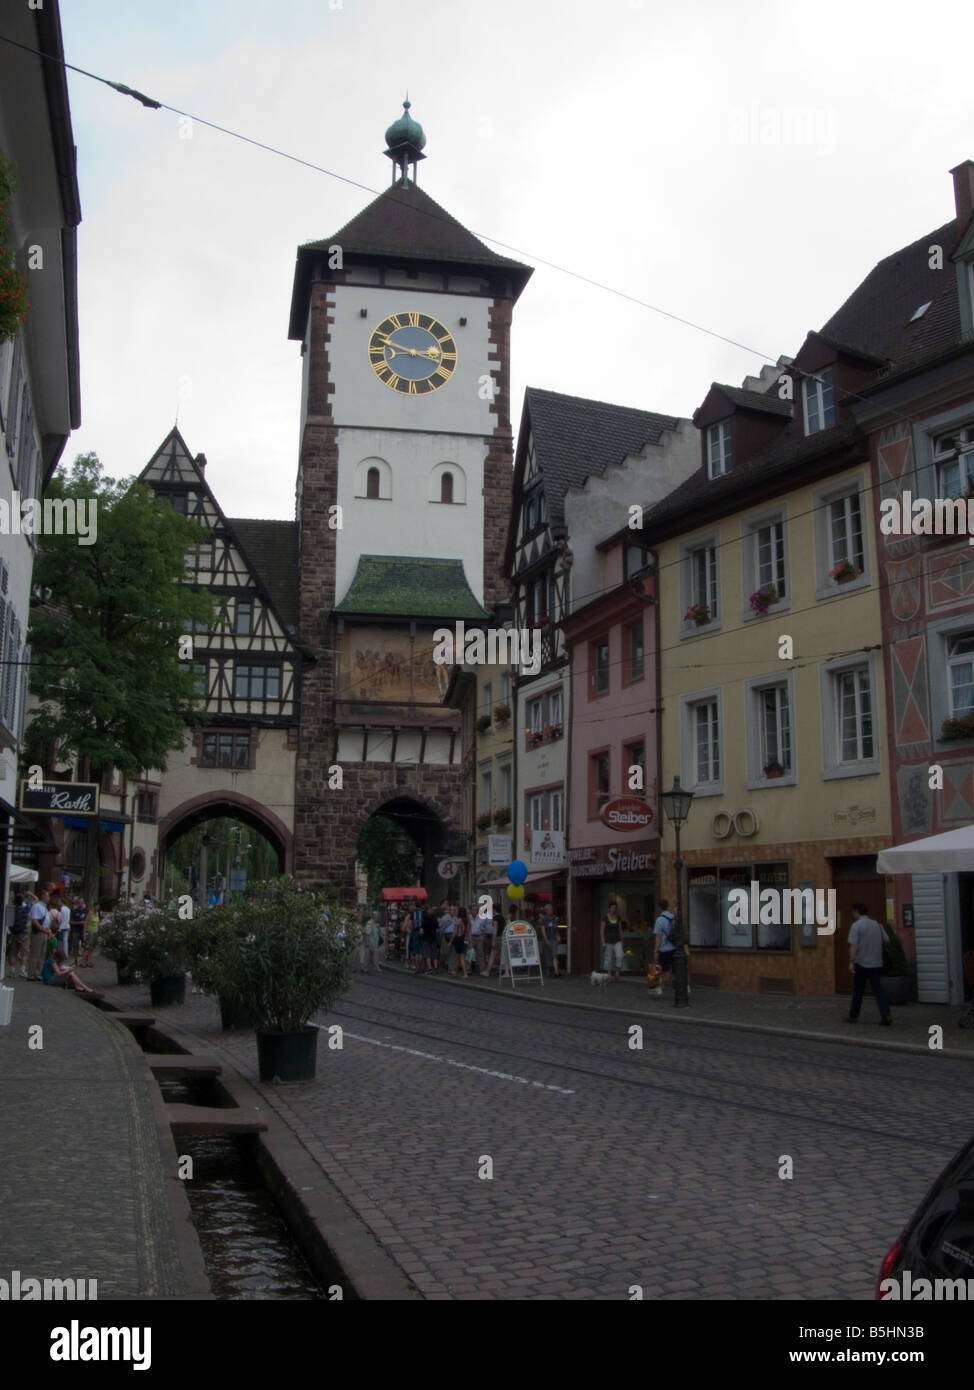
x: 105, y: 632
x: 381, y: 853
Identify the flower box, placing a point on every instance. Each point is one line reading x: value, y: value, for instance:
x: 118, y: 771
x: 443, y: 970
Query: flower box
x: 773, y: 769
x: 958, y: 728
x: 698, y: 613
x: 502, y: 817
x: 843, y: 572
x: 483, y: 822
x: 762, y: 599
x: 535, y: 738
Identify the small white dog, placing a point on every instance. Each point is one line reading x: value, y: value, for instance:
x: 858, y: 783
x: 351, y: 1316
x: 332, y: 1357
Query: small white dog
x: 599, y: 977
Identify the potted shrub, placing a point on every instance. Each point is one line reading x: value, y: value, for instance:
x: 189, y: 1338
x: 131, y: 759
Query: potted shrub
x: 484, y: 820
x: 204, y: 936
x: 283, y: 957
x: 117, y: 936
x: 698, y: 613
x: 762, y: 599
x: 483, y: 723
x: 773, y: 769
x: 896, y: 969
x: 843, y: 572
x: 502, y: 714
x: 502, y: 817
x: 158, y: 952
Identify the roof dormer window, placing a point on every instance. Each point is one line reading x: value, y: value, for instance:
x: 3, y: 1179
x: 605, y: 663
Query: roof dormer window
x: 719, y: 449
x: 818, y: 394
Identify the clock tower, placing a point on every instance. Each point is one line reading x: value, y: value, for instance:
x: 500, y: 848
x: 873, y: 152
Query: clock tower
x: 403, y: 500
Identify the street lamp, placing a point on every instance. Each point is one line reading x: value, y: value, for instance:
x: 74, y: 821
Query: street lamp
x: 676, y: 805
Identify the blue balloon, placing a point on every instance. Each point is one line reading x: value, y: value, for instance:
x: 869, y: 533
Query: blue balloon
x: 517, y: 871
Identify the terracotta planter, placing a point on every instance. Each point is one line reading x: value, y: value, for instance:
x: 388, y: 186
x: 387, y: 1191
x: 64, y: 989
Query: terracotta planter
x: 772, y: 776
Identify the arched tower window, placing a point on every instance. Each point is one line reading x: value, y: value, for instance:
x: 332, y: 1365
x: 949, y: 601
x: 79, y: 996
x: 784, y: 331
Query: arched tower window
x: 446, y: 487
x: 372, y: 483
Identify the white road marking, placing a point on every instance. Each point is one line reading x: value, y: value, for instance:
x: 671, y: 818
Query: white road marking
x: 466, y: 1066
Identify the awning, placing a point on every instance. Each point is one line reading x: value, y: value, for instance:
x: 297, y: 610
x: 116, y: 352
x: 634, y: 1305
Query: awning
x: 111, y: 821
x: 396, y: 895
x: 23, y: 832
x: 531, y: 878
x: 20, y: 874
x: 950, y: 853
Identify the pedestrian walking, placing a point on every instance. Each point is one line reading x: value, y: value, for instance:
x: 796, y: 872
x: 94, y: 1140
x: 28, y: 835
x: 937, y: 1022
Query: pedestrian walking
x: 63, y: 929
x: 461, y: 941
x: 665, y: 949
x: 479, y: 926
x: 430, y: 929
x: 866, y: 941
x: 18, y: 944
x: 548, y: 938
x: 447, y: 924
x: 373, y: 940
x: 610, y: 934
x: 39, y: 936
x: 92, y: 926
x: 76, y: 920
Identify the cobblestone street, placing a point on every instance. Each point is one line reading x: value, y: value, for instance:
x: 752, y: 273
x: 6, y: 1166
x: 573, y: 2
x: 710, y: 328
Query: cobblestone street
x: 611, y: 1167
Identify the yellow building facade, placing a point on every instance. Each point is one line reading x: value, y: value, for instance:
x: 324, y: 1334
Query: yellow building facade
x: 773, y: 714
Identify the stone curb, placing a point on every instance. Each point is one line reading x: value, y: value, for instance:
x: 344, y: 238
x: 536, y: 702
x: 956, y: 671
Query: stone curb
x: 682, y: 1017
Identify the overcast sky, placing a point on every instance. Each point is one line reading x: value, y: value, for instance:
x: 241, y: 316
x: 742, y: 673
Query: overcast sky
x: 741, y: 166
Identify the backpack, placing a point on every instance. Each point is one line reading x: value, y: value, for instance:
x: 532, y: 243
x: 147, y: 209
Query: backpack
x: 674, y: 933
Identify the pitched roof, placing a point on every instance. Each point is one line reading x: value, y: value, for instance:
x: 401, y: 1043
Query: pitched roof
x: 404, y: 224
x: 400, y: 586
x: 876, y: 318
x: 272, y: 549
x: 574, y: 438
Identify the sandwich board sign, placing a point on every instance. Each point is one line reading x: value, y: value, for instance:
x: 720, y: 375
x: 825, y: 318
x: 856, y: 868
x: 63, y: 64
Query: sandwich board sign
x: 519, y: 950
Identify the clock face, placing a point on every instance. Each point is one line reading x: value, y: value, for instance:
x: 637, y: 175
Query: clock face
x: 412, y: 353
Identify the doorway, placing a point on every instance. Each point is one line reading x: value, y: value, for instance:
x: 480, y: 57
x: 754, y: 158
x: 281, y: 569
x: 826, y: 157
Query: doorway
x: 871, y: 891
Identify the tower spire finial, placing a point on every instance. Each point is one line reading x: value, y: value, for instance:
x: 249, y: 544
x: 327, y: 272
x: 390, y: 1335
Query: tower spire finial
x: 405, y: 140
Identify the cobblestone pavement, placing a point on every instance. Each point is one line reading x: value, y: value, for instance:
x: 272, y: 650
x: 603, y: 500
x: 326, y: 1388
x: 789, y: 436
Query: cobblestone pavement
x: 85, y: 1192
x: 611, y: 1166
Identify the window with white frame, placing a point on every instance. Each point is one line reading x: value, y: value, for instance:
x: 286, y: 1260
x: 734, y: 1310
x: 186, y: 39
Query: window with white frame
x: 534, y: 713
x: 845, y: 532
x: 546, y: 810
x: 703, y: 720
x: 555, y: 707
x: 504, y: 786
x: 818, y: 395
x: 719, y: 448
x: 953, y: 455
x: 506, y: 688
x: 854, y: 712
x: 487, y: 696
x: 703, y: 580
x: 960, y: 674
x: 773, y: 711
x: 769, y: 556
x: 485, y: 792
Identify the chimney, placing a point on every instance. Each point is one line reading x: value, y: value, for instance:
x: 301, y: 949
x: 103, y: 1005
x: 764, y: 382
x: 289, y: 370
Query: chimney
x: 200, y: 459
x: 963, y: 177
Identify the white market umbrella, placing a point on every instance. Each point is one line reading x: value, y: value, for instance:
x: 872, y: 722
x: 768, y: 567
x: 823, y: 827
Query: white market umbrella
x: 20, y: 874
x: 950, y: 853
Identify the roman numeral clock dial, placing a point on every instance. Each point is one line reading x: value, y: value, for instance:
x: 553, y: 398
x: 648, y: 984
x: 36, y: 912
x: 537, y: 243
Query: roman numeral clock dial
x: 412, y: 353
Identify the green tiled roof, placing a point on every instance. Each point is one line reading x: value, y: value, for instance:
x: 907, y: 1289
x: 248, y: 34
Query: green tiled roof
x: 399, y: 586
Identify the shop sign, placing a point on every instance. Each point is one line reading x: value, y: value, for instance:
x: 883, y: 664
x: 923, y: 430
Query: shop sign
x: 447, y: 868
x: 500, y: 849
x: 627, y: 813
x: 608, y: 861
x: 548, y: 847
x: 60, y: 798
x: 519, y: 950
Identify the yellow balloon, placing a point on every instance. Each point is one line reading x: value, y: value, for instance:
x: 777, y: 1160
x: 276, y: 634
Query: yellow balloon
x: 514, y: 891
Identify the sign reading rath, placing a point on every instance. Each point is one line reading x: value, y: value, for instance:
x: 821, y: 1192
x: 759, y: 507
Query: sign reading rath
x: 627, y: 813
x: 519, y: 950
x: 60, y: 798
x: 548, y: 847
x: 500, y: 849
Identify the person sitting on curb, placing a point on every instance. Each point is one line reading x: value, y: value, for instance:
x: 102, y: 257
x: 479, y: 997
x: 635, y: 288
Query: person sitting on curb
x: 57, y: 971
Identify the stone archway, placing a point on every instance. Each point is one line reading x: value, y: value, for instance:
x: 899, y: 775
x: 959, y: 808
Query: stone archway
x: 216, y: 804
